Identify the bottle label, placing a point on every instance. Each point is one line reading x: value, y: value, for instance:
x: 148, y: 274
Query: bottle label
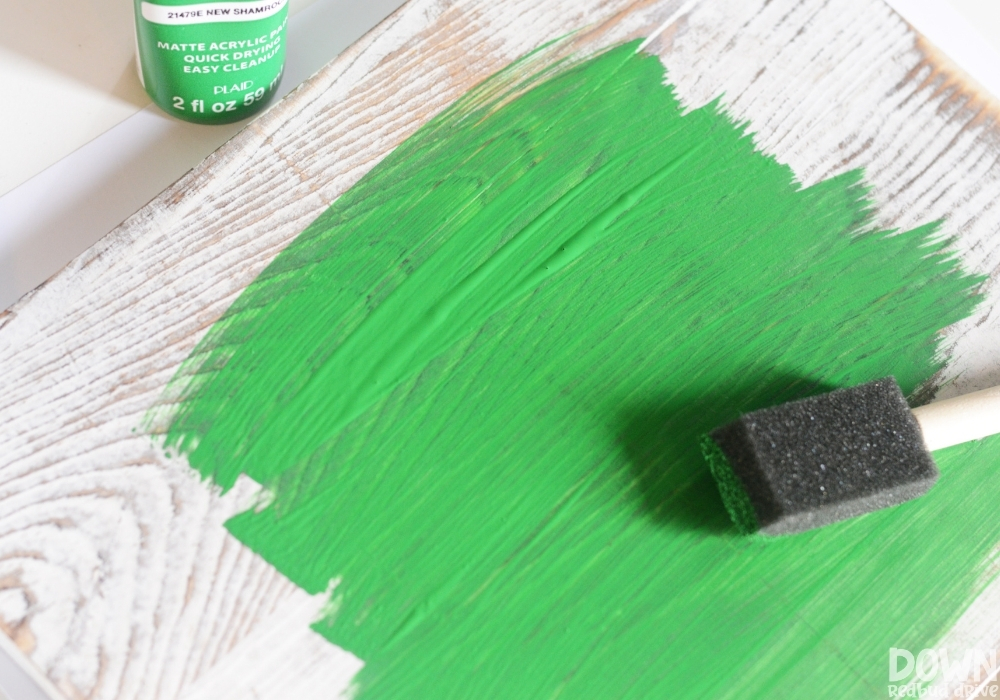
x: 211, y: 62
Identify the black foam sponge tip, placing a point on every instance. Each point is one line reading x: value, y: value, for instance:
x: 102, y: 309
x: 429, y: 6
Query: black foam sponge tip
x: 819, y: 460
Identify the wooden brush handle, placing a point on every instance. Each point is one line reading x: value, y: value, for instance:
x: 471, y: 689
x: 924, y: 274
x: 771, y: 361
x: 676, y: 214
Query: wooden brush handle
x: 963, y: 418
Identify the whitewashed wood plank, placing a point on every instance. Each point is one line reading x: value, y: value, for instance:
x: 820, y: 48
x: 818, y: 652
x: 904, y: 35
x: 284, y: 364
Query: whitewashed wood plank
x: 119, y: 580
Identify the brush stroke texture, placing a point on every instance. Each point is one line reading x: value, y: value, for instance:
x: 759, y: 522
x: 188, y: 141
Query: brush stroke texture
x: 475, y: 386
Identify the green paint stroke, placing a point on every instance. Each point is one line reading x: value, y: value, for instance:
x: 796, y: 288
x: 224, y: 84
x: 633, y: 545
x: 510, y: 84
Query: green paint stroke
x: 476, y: 385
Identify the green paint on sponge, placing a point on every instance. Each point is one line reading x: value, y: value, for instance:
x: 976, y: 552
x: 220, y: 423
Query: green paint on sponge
x: 734, y: 497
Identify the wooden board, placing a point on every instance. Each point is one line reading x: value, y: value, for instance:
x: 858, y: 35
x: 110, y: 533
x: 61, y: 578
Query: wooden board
x: 117, y: 578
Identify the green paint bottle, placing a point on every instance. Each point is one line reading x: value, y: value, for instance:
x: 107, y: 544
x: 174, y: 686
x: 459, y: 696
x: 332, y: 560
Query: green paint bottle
x: 210, y: 62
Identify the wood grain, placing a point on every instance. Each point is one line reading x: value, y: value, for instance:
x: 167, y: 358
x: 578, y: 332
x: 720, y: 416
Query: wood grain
x: 117, y: 578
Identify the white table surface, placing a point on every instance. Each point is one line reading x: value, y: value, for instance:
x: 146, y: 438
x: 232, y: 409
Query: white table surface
x: 81, y: 148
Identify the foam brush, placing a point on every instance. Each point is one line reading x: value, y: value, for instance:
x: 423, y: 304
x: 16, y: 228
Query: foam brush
x: 819, y: 460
